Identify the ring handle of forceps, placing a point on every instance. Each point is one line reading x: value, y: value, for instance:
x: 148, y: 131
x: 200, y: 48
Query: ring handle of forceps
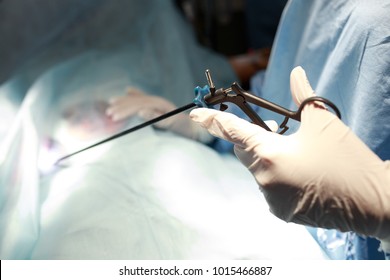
x: 249, y: 98
x: 240, y: 101
x: 295, y: 115
x: 298, y: 113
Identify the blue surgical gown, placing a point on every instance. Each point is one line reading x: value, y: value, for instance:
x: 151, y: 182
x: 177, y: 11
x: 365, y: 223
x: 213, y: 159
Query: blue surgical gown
x: 344, y: 47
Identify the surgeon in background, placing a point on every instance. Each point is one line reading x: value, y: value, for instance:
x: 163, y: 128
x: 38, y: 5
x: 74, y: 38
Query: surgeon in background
x: 343, y: 47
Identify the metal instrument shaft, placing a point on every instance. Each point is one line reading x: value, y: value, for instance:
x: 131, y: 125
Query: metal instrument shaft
x: 132, y: 129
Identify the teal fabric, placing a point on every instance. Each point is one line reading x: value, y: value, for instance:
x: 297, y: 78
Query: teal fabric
x: 343, y: 47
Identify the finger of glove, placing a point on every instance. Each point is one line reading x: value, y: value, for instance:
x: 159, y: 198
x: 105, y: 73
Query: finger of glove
x: 124, y: 108
x: 132, y: 104
x: 135, y: 91
x: 150, y: 113
x: 228, y: 126
x: 300, y: 86
x: 301, y: 89
x: 117, y: 100
x: 131, y: 92
x: 117, y: 105
x: 273, y: 125
x: 313, y: 114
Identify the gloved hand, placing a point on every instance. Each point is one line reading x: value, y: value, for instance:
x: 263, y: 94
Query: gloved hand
x: 138, y: 103
x: 321, y: 176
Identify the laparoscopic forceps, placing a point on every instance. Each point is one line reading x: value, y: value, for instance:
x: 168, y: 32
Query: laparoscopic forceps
x: 208, y: 96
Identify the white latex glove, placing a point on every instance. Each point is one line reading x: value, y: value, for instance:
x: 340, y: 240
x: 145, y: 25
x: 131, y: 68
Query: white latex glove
x: 148, y: 107
x: 321, y: 176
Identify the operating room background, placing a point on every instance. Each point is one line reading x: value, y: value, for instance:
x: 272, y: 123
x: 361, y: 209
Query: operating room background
x: 39, y: 35
x: 35, y: 34
x: 226, y: 26
x: 67, y: 49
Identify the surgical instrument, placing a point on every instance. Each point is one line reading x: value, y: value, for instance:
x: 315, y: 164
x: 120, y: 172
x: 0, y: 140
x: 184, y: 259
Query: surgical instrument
x: 208, y: 96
